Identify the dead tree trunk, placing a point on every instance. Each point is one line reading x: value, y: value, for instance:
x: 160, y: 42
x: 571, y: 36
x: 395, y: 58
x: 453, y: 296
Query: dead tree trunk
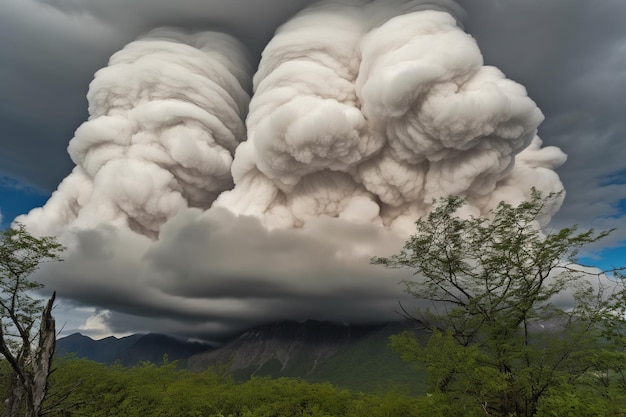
x: 13, y: 404
x: 31, y: 371
x: 43, y: 357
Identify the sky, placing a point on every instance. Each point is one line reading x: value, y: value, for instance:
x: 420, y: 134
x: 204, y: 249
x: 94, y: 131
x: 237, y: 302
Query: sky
x: 357, y: 115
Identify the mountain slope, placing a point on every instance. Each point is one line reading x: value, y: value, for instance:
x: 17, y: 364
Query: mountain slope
x: 280, y: 349
x: 354, y: 357
x: 370, y: 365
x: 129, y: 350
x: 104, y: 350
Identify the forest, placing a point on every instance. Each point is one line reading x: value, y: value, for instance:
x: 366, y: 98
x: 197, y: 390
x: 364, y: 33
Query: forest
x: 79, y: 387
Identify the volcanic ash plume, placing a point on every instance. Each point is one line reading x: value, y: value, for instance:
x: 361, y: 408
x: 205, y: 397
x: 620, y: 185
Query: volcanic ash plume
x: 363, y: 112
x: 166, y: 115
x: 365, y: 116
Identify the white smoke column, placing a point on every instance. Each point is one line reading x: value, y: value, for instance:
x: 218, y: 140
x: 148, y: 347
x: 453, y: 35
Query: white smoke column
x: 166, y: 115
x: 370, y: 110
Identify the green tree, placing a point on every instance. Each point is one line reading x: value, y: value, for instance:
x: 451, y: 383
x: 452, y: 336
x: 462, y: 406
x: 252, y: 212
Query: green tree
x: 513, y: 316
x: 27, y: 330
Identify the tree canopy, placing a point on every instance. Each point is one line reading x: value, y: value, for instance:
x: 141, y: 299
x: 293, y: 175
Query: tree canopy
x: 27, y: 330
x: 514, y: 318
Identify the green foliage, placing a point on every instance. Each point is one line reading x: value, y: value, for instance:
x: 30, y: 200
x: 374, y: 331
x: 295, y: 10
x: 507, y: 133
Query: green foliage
x: 514, y: 319
x: 585, y: 398
x: 27, y: 332
x: 20, y: 256
x: 91, y: 389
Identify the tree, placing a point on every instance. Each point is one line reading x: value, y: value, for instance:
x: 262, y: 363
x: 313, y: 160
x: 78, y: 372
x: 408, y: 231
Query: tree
x: 513, y: 317
x: 27, y: 330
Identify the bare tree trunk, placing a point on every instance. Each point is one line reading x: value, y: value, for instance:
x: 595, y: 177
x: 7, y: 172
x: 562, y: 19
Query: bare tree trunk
x: 43, y: 357
x: 30, y: 386
x: 13, y: 404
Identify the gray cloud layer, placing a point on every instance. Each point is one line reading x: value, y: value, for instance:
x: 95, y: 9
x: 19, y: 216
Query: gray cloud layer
x: 571, y: 57
x: 211, y: 273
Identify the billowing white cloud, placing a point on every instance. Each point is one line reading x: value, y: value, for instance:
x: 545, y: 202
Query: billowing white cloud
x: 378, y: 116
x: 362, y: 113
x: 166, y: 115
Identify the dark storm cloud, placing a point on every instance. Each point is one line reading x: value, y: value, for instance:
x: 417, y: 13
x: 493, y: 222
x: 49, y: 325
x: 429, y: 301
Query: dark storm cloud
x: 51, y: 49
x: 252, y: 22
x: 48, y: 59
x: 571, y: 56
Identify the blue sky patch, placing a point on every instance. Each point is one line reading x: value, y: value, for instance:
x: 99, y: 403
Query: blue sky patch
x: 607, y: 258
x: 18, y: 198
x: 618, y: 177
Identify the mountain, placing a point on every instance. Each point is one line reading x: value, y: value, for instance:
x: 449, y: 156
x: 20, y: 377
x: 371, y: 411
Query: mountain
x: 283, y: 348
x: 104, y: 350
x: 129, y: 350
x: 370, y: 365
x: 354, y: 357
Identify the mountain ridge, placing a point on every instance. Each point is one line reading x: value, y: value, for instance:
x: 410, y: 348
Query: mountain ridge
x: 285, y: 344
x: 356, y: 357
x: 129, y: 350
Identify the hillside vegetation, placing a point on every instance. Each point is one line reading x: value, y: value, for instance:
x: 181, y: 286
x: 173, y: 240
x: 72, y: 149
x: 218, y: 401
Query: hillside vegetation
x: 80, y: 387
